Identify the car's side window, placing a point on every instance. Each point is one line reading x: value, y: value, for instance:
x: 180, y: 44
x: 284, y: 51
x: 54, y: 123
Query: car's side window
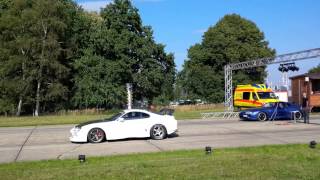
x: 246, y: 95
x: 126, y: 116
x: 132, y: 116
x: 145, y: 115
x: 282, y: 105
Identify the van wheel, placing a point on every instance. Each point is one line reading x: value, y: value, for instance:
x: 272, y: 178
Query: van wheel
x: 262, y: 116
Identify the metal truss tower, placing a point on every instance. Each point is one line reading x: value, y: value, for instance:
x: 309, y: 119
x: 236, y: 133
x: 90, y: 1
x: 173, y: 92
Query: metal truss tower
x: 291, y: 57
x: 285, y: 79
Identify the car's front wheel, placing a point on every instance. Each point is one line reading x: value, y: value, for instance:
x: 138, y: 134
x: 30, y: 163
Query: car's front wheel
x: 96, y: 135
x: 262, y: 116
x: 158, y: 132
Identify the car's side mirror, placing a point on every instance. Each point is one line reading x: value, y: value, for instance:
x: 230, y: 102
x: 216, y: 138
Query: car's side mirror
x: 121, y: 119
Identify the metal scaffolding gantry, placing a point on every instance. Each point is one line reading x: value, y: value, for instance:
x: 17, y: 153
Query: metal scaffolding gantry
x: 291, y: 57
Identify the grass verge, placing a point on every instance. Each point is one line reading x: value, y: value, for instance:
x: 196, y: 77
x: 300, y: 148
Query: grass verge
x: 264, y: 162
x: 193, y: 114
x: 48, y: 120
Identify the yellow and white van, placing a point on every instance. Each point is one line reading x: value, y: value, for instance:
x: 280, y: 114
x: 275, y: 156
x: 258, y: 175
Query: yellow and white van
x: 253, y: 95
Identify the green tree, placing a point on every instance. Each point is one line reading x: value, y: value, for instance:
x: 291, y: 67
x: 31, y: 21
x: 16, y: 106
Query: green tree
x: 35, y: 37
x: 97, y: 78
x: 121, y: 50
x: 16, y: 48
x: 315, y: 69
x: 53, y: 51
x: 48, y: 27
x: 233, y: 39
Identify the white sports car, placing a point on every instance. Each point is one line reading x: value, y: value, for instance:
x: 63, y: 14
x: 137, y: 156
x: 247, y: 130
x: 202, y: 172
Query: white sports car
x: 134, y: 123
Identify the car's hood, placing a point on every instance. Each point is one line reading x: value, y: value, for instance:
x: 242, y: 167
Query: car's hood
x: 92, y: 122
x: 89, y: 122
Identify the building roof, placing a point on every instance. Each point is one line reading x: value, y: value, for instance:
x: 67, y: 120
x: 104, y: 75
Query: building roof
x: 310, y: 75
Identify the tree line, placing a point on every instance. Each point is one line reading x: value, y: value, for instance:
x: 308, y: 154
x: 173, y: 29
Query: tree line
x: 232, y: 39
x: 315, y: 69
x: 54, y: 55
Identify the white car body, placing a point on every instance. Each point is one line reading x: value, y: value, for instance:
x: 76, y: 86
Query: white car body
x: 122, y: 127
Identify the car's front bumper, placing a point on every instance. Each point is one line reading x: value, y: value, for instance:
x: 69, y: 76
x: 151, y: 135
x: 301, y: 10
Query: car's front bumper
x: 248, y: 117
x: 77, y: 135
x: 76, y: 139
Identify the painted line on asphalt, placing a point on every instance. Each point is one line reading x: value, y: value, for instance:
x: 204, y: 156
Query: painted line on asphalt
x: 70, y: 151
x: 159, y: 148
x: 25, y: 141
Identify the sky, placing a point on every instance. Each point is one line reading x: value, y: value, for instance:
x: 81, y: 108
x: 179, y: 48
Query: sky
x: 288, y: 25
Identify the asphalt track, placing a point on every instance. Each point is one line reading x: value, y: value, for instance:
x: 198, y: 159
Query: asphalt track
x: 52, y: 142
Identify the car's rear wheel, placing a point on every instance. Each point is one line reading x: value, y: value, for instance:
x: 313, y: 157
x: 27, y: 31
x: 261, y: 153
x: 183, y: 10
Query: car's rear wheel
x: 158, y: 132
x: 96, y: 135
x: 298, y: 115
x: 262, y: 116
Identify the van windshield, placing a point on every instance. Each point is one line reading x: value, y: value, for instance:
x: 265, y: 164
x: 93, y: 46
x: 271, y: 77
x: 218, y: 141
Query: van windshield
x: 266, y: 95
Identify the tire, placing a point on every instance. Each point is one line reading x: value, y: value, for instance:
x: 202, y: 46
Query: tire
x: 96, y: 135
x: 158, y: 132
x: 262, y: 116
x: 298, y: 115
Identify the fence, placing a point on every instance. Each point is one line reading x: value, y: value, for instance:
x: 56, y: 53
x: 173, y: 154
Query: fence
x: 197, y: 107
x: 220, y: 115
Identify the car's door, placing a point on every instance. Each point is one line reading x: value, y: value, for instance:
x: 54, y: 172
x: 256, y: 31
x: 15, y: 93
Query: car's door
x: 282, y: 110
x: 134, y: 124
x: 290, y: 110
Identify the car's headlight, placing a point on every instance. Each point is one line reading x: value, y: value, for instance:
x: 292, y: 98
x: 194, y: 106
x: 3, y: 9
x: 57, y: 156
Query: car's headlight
x: 75, y: 130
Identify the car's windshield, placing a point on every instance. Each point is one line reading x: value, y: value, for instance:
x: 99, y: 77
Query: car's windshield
x: 267, y: 95
x: 114, y: 117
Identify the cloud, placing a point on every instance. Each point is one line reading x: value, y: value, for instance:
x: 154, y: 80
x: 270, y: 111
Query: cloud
x: 94, y: 5
x: 199, y: 31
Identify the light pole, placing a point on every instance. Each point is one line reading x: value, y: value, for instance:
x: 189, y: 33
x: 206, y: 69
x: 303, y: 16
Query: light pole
x: 129, y: 94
